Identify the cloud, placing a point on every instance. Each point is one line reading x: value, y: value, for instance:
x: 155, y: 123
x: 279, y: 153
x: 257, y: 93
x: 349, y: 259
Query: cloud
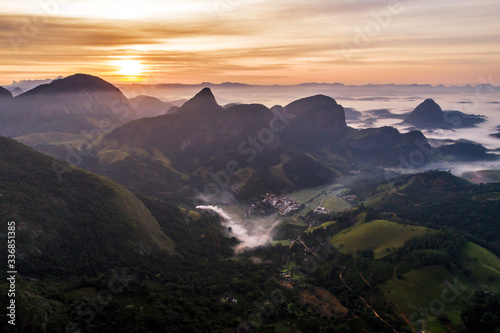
x: 289, y: 41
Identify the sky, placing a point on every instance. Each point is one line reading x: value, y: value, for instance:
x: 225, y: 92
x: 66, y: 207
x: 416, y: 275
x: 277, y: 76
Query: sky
x: 450, y: 42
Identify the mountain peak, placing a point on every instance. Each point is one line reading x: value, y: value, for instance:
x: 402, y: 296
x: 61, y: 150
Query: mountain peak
x: 429, y: 102
x: 73, y: 84
x: 205, y: 93
x: 429, y: 106
x: 70, y: 105
x: 83, y: 81
x: 427, y: 114
x: 203, y: 101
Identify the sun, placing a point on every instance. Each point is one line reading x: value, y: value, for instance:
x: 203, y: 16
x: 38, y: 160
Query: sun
x: 130, y: 68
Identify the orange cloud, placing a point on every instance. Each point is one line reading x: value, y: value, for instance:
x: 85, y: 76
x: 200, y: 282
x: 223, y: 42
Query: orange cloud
x: 257, y: 41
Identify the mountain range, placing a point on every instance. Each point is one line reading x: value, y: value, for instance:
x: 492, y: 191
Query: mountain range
x: 187, y: 150
x: 69, y: 105
x: 95, y: 257
x: 109, y: 237
x: 151, y: 106
x: 199, y: 141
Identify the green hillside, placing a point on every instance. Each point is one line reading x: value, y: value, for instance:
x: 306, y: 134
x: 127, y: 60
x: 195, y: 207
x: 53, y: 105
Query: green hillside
x: 440, y: 200
x: 411, y: 189
x: 380, y: 236
x: 416, y: 292
x: 424, y: 294
x: 482, y: 264
x: 36, y: 139
x: 79, y: 223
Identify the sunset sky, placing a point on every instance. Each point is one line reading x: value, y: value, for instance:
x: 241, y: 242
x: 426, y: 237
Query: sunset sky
x: 252, y: 41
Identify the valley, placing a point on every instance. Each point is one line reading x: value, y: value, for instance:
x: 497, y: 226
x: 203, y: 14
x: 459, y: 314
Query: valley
x: 250, y: 166
x: 243, y: 218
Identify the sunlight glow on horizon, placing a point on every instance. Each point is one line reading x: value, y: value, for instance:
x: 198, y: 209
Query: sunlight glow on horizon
x: 252, y: 41
x: 130, y: 69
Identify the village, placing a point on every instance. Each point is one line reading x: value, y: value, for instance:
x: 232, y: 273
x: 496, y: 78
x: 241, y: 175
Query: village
x: 269, y: 203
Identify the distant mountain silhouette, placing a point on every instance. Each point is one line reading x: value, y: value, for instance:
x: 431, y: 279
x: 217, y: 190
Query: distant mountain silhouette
x: 76, y: 94
x: 305, y: 143
x: 69, y: 105
x: 429, y: 115
x: 147, y: 106
x: 203, y: 102
x: 16, y: 91
x: 26, y: 85
x: 302, y: 144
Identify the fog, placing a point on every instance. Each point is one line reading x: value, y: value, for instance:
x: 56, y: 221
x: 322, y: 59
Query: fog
x: 479, y: 134
x: 397, y: 99
x: 459, y: 168
x: 252, y: 232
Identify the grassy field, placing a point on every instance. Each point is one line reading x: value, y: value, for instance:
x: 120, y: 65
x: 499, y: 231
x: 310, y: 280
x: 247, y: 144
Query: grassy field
x: 422, y: 295
x: 281, y: 242
x: 310, y: 206
x: 483, y: 264
x: 380, y: 236
x: 112, y: 156
x: 325, y: 196
x: 336, y: 204
x: 51, y: 138
x: 386, y: 189
x: 426, y: 288
x: 288, y: 231
x: 307, y: 194
x: 324, y: 225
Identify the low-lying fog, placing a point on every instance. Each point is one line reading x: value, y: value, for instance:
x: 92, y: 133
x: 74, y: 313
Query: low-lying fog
x: 463, y: 103
x: 251, y: 232
x: 254, y: 232
x: 456, y: 168
x: 397, y: 99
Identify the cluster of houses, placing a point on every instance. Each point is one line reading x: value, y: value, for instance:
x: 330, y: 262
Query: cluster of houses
x: 284, y: 205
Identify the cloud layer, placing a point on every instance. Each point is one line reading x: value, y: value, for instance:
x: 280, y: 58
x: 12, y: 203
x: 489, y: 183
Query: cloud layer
x: 254, y: 41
